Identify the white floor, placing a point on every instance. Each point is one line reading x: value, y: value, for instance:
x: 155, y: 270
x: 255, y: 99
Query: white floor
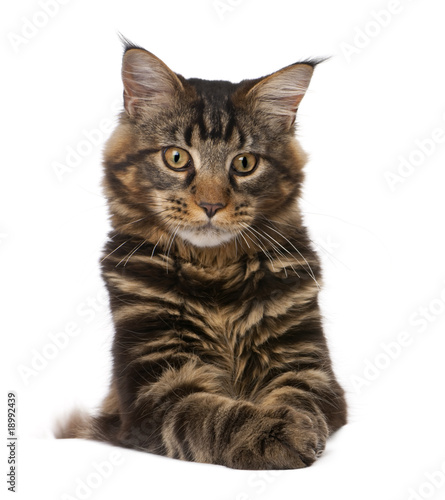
x: 372, y: 460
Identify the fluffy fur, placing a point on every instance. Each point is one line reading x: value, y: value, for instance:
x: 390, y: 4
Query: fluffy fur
x: 219, y: 352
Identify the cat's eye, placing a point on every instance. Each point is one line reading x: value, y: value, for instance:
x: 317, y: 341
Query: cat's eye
x: 244, y: 164
x: 176, y: 158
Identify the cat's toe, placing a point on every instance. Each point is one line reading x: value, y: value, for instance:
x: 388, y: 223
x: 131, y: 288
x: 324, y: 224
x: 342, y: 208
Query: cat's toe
x: 281, y: 439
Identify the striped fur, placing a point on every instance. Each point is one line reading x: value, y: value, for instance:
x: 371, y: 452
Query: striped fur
x: 219, y: 352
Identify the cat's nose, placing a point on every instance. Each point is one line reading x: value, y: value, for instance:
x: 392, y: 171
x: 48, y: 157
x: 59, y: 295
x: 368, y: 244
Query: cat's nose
x: 210, y: 208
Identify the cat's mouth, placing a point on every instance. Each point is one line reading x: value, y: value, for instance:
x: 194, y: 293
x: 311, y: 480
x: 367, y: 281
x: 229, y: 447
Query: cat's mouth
x: 207, y: 235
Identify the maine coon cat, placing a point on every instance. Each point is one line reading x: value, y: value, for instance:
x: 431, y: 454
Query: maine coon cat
x: 219, y: 353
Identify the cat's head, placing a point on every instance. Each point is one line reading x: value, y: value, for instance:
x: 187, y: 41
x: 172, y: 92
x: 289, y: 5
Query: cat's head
x: 204, y: 161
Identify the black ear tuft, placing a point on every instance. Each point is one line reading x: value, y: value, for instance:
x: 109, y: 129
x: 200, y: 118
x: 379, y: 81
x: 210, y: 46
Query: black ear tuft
x: 128, y: 44
x: 314, y: 61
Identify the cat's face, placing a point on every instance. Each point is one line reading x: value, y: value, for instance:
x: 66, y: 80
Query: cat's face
x: 205, y: 161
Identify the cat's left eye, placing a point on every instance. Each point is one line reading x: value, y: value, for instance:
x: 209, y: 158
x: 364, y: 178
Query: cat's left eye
x: 176, y: 158
x: 244, y: 164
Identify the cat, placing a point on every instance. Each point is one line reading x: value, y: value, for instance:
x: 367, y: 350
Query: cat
x: 219, y: 354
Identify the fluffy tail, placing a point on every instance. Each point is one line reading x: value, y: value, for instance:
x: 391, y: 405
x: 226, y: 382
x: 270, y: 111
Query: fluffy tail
x: 77, y: 425
x: 104, y: 427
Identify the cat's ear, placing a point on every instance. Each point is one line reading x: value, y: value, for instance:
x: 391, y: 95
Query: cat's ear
x: 279, y: 94
x: 148, y: 82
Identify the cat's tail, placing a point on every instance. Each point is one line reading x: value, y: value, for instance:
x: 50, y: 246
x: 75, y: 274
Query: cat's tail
x: 104, y: 426
x: 81, y: 425
x: 77, y: 425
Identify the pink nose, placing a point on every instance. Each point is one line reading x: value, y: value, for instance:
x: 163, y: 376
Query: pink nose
x: 210, y: 208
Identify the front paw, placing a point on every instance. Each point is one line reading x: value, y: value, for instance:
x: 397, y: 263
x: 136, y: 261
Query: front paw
x: 281, y: 438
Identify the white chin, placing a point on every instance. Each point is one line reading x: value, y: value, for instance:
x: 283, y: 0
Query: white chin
x: 209, y: 238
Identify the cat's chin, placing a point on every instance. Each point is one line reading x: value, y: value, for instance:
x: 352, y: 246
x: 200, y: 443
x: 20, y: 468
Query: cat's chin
x: 208, y: 238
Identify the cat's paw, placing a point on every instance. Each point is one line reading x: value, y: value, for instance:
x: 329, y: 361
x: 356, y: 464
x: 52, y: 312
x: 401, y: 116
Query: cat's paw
x: 281, y: 438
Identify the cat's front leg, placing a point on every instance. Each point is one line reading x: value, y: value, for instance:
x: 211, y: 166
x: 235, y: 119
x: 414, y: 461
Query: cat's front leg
x: 238, y: 434
x: 313, y: 403
x: 187, y: 414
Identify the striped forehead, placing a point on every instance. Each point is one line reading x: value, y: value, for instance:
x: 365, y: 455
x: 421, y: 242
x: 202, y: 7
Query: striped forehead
x: 212, y: 115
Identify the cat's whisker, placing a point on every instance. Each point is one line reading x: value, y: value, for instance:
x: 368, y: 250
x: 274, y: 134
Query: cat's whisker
x: 258, y: 244
x: 271, y: 241
x: 242, y: 236
x: 154, y: 248
x: 298, y: 251
x: 265, y: 251
x: 319, y: 246
x: 289, y: 254
x: 133, y: 252
x: 117, y: 248
x: 328, y: 254
x: 275, y: 223
x: 137, y: 220
x: 270, y: 221
x: 126, y: 257
x: 172, y: 238
x: 311, y: 274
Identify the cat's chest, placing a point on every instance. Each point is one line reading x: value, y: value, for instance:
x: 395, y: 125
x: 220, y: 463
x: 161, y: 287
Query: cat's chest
x: 236, y: 314
x: 227, y: 315
x: 232, y: 301
x: 219, y: 290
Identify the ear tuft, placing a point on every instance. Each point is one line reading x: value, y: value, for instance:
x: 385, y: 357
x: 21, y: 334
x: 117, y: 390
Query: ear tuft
x: 128, y: 44
x: 148, y: 82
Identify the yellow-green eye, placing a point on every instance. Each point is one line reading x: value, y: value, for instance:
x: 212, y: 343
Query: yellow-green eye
x: 244, y: 164
x: 176, y: 158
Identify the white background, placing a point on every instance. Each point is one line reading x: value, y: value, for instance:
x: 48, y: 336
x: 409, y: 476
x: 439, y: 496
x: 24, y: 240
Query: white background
x: 380, y: 99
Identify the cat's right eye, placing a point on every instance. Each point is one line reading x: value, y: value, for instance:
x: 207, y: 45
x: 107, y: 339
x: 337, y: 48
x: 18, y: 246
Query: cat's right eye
x: 176, y: 158
x: 244, y: 164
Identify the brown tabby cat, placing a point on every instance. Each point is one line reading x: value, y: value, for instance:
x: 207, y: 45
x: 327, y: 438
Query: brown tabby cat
x: 219, y: 352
